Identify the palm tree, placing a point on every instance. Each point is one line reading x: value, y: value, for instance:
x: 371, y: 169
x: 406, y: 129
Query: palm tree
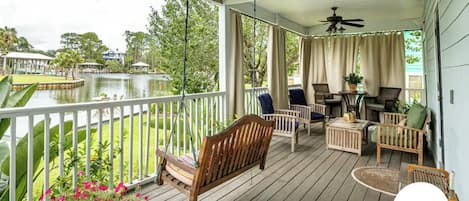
x: 7, y: 40
x: 68, y: 59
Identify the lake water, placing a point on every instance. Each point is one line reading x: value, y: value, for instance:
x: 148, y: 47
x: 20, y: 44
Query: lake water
x: 122, y: 85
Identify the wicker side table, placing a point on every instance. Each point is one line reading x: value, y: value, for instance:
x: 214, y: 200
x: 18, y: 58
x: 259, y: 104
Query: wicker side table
x: 344, y: 136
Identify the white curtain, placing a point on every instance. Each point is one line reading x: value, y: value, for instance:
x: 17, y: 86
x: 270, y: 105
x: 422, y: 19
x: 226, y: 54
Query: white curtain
x: 313, y: 62
x: 383, y: 61
x: 343, y: 58
x: 236, y: 78
x: 277, y: 76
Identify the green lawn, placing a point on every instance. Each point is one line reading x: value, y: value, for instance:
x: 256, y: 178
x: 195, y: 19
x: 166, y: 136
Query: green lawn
x: 35, y: 78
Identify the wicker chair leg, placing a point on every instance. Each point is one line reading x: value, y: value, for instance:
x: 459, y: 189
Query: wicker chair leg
x: 378, y: 155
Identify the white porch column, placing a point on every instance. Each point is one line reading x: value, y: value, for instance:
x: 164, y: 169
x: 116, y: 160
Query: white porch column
x: 224, y: 47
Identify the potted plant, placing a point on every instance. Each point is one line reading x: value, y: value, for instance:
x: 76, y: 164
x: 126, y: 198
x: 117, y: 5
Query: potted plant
x: 352, y: 80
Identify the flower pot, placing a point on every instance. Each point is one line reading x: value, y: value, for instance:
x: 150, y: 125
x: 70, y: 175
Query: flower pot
x: 352, y: 87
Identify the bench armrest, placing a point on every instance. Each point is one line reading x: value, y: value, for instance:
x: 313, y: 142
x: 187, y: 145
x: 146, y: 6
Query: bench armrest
x: 175, y: 161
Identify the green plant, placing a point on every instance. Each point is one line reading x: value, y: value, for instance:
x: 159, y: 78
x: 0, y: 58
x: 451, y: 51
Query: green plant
x: 353, y: 78
x: 38, y: 147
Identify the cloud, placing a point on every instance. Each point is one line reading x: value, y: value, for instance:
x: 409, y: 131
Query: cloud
x: 43, y: 21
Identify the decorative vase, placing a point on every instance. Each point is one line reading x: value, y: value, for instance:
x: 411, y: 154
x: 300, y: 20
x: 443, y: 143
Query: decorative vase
x: 352, y: 87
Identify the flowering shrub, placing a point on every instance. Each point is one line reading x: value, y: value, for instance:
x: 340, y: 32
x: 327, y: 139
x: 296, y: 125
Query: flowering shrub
x: 92, y: 191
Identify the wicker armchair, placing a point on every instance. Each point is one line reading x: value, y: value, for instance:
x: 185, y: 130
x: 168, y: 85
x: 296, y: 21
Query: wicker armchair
x: 322, y: 95
x: 286, y: 121
x: 384, y: 102
x: 309, y: 114
x: 437, y: 177
x: 391, y: 135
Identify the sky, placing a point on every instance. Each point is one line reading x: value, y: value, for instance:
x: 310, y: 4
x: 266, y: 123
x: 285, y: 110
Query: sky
x: 43, y: 21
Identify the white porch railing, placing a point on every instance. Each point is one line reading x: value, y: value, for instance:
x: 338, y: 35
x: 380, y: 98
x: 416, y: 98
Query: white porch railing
x: 143, y: 124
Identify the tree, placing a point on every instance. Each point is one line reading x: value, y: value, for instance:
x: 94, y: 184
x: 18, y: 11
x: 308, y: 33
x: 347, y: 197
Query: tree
x: 70, y: 41
x: 7, y: 40
x: 68, y: 59
x: 91, y: 47
x: 22, y: 45
x: 137, y: 44
x: 115, y: 66
x: 87, y: 44
x: 413, y: 43
x: 259, y: 71
x: 167, y: 28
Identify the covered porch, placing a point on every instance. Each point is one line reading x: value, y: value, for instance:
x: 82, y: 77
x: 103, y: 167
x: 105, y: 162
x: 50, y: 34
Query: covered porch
x: 312, y: 172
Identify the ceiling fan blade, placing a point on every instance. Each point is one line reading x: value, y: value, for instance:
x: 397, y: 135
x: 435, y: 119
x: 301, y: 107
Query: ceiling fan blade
x: 323, y: 21
x: 352, y: 24
x: 353, y: 20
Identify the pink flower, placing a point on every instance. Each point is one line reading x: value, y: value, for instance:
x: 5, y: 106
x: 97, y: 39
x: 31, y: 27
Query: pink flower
x: 42, y: 197
x: 146, y: 198
x: 77, y: 195
x: 52, y: 197
x: 102, y: 187
x: 48, y: 191
x: 93, y: 189
x: 119, y: 186
x: 61, y: 198
x: 138, y: 195
x: 81, y: 173
x: 84, y: 195
x: 87, y: 185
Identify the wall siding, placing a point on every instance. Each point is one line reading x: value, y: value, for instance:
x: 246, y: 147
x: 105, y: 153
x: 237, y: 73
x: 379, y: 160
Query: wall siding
x: 454, y: 36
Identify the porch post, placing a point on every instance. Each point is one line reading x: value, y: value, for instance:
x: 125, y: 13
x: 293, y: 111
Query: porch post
x: 224, y: 48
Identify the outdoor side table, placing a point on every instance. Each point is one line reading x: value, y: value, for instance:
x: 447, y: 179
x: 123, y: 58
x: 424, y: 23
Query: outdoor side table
x: 345, y: 136
x: 353, y: 100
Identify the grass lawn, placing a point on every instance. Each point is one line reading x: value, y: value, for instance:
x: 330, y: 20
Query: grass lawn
x: 35, y: 78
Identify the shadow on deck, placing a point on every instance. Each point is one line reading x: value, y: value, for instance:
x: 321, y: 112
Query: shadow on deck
x: 311, y: 173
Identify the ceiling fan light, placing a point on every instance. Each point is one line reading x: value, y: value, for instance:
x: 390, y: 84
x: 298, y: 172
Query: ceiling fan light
x: 342, y: 29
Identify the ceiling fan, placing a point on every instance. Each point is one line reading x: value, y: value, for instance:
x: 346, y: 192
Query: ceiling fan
x: 337, y: 20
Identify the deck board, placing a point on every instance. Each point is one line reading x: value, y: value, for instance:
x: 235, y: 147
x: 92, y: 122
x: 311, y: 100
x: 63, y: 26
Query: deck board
x: 311, y: 173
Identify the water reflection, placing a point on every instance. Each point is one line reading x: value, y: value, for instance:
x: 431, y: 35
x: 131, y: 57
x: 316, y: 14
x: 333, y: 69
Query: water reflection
x: 120, y: 85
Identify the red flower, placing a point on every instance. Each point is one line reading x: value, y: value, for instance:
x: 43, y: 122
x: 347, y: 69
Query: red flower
x: 84, y: 195
x: 137, y: 195
x: 146, y: 198
x: 77, y: 195
x: 102, y: 187
x: 48, y: 191
x: 87, y: 185
x: 61, y: 198
x: 81, y: 173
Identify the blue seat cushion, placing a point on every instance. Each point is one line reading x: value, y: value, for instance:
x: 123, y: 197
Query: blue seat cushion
x: 266, y: 103
x: 297, y: 97
x: 316, y: 116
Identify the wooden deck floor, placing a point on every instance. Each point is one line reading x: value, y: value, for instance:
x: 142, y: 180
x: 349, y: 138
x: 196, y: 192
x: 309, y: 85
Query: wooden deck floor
x: 311, y: 173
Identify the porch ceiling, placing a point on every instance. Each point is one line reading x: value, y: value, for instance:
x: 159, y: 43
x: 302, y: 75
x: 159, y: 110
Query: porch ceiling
x: 379, y: 15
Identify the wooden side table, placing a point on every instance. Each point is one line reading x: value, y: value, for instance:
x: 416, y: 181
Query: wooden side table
x: 353, y: 100
x: 344, y: 136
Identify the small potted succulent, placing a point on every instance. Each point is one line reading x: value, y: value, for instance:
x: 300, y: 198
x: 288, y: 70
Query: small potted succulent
x: 352, y: 80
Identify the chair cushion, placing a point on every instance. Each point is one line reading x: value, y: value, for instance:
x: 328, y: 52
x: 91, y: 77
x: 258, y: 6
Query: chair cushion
x: 316, y: 116
x: 180, y: 174
x: 266, y: 103
x: 297, y: 97
x: 375, y: 106
x: 416, y: 116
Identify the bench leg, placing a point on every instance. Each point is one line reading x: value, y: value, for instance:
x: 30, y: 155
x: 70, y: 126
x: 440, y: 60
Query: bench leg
x: 378, y: 155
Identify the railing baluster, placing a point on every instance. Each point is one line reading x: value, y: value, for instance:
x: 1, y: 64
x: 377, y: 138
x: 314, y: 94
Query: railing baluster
x: 131, y: 142
x: 140, y: 141
x: 75, y: 148
x: 111, y: 147
x: 13, y: 159
x: 191, y: 129
x: 210, y: 106
x: 121, y: 143
x: 171, y: 129
x: 61, y: 144
x: 178, y: 131
x: 148, y: 138
x: 30, y: 156
x: 46, y: 152
x: 164, y: 124
x: 184, y: 133
x: 100, y: 132
x: 196, y: 123
x: 88, y: 141
x: 157, y: 119
x: 207, y: 123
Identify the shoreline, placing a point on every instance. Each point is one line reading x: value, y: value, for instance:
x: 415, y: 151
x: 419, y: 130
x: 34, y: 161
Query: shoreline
x: 70, y: 84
